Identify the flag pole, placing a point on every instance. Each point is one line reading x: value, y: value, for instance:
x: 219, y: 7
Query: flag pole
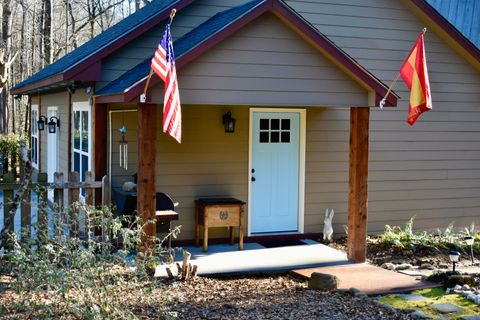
x: 394, y: 82
x: 143, y: 97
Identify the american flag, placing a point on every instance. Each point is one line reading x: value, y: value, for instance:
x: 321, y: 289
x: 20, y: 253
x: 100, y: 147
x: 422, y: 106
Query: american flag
x: 163, y: 63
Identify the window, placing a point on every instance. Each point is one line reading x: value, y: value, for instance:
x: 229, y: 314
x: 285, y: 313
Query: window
x: 34, y: 137
x: 275, y: 130
x: 81, y: 144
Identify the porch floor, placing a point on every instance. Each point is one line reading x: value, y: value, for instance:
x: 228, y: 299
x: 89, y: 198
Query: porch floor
x: 224, y: 259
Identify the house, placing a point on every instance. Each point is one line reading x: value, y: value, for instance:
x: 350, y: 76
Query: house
x: 303, y: 80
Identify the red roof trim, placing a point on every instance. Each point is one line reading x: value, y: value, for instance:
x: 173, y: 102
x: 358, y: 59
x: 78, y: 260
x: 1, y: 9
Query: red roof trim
x: 448, y: 27
x: 39, y: 84
x: 279, y: 8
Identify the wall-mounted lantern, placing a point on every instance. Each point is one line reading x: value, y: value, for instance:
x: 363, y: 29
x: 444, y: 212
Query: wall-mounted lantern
x: 228, y: 122
x: 53, y: 124
x: 41, y: 123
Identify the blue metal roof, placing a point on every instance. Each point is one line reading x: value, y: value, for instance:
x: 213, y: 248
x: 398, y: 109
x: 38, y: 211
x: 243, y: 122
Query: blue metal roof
x: 183, y: 45
x: 103, y: 39
x: 463, y: 15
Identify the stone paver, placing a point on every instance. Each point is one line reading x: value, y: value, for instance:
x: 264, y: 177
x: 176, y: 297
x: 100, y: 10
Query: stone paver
x: 470, y: 317
x: 446, y: 307
x: 411, y: 297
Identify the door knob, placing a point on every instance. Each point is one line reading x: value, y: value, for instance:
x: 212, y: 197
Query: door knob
x: 253, y: 179
x: 253, y: 170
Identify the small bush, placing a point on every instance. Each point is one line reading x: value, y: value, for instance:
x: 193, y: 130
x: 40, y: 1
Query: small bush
x: 97, y: 277
x: 397, y: 237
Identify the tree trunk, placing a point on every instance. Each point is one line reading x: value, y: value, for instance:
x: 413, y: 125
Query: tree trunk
x: 4, y: 48
x: 47, y: 32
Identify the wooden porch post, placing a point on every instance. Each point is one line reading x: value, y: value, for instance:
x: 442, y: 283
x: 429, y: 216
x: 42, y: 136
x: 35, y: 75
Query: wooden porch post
x: 100, y: 135
x: 358, y: 183
x: 147, y: 134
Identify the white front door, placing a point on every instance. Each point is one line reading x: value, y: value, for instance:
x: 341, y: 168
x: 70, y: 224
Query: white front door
x: 275, y: 175
x: 52, y: 149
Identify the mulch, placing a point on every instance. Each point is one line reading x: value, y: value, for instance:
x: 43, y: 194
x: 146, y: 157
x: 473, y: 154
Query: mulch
x: 269, y: 297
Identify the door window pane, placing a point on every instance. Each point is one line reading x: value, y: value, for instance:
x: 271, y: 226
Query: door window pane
x: 285, y: 124
x: 274, y: 136
x: 275, y: 124
x: 84, y: 166
x: 76, y: 162
x: 264, y: 124
x: 285, y: 137
x: 263, y: 137
x: 85, y: 131
x: 76, y: 129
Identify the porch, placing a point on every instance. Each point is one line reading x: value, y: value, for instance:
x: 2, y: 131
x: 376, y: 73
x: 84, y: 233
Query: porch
x: 213, y: 163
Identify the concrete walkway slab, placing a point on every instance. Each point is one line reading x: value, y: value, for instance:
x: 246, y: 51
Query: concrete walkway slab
x: 369, y: 279
x: 218, y: 261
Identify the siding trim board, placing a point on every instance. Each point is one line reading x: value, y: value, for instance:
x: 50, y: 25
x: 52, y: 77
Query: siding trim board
x: 288, y: 16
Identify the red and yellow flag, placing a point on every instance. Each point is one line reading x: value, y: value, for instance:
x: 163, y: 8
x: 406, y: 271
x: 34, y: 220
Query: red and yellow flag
x: 414, y: 73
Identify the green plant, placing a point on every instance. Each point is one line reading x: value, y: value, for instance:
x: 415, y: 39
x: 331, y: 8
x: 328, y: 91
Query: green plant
x: 97, y: 276
x: 443, y: 241
x: 9, y: 150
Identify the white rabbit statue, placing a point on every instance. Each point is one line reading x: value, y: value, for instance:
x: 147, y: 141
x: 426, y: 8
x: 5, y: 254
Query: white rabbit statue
x: 327, y: 225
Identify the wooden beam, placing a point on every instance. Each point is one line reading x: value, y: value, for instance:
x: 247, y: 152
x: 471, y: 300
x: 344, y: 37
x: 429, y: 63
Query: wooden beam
x: 99, y: 153
x: 147, y: 134
x: 358, y: 184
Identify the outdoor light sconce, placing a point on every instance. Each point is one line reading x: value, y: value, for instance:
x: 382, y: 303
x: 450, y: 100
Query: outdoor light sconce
x: 52, y: 124
x: 41, y: 123
x: 228, y: 122
x: 469, y: 241
x: 454, y: 257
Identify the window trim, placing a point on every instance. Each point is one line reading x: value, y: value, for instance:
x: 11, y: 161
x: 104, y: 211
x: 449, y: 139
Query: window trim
x: 34, y: 108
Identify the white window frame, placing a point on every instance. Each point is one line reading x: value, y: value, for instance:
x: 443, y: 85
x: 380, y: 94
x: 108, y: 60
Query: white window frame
x: 79, y: 107
x: 34, y: 134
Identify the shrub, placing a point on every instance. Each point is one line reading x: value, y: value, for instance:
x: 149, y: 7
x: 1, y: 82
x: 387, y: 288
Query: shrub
x: 397, y: 237
x: 96, y: 277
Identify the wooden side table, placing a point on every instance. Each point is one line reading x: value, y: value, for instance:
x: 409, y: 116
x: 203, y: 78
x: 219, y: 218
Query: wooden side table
x: 219, y: 212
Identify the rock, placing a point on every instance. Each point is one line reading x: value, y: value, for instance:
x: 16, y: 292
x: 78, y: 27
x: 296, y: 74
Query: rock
x: 388, y: 266
x: 465, y: 287
x: 477, y: 299
x: 322, y: 281
x: 446, y: 307
x: 404, y: 266
x: 466, y: 293
x: 397, y: 261
x: 471, y: 296
x: 427, y: 266
x: 470, y: 317
x: 411, y: 297
x: 418, y: 314
x: 459, y: 280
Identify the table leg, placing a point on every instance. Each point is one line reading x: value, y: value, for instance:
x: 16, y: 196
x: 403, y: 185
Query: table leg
x: 197, y: 226
x: 205, y: 238
x: 240, y: 231
x: 232, y: 234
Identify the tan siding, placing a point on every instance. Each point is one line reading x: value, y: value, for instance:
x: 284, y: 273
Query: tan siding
x: 120, y: 175
x: 266, y: 63
x: 209, y: 162
x: 430, y: 170
x: 59, y: 100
